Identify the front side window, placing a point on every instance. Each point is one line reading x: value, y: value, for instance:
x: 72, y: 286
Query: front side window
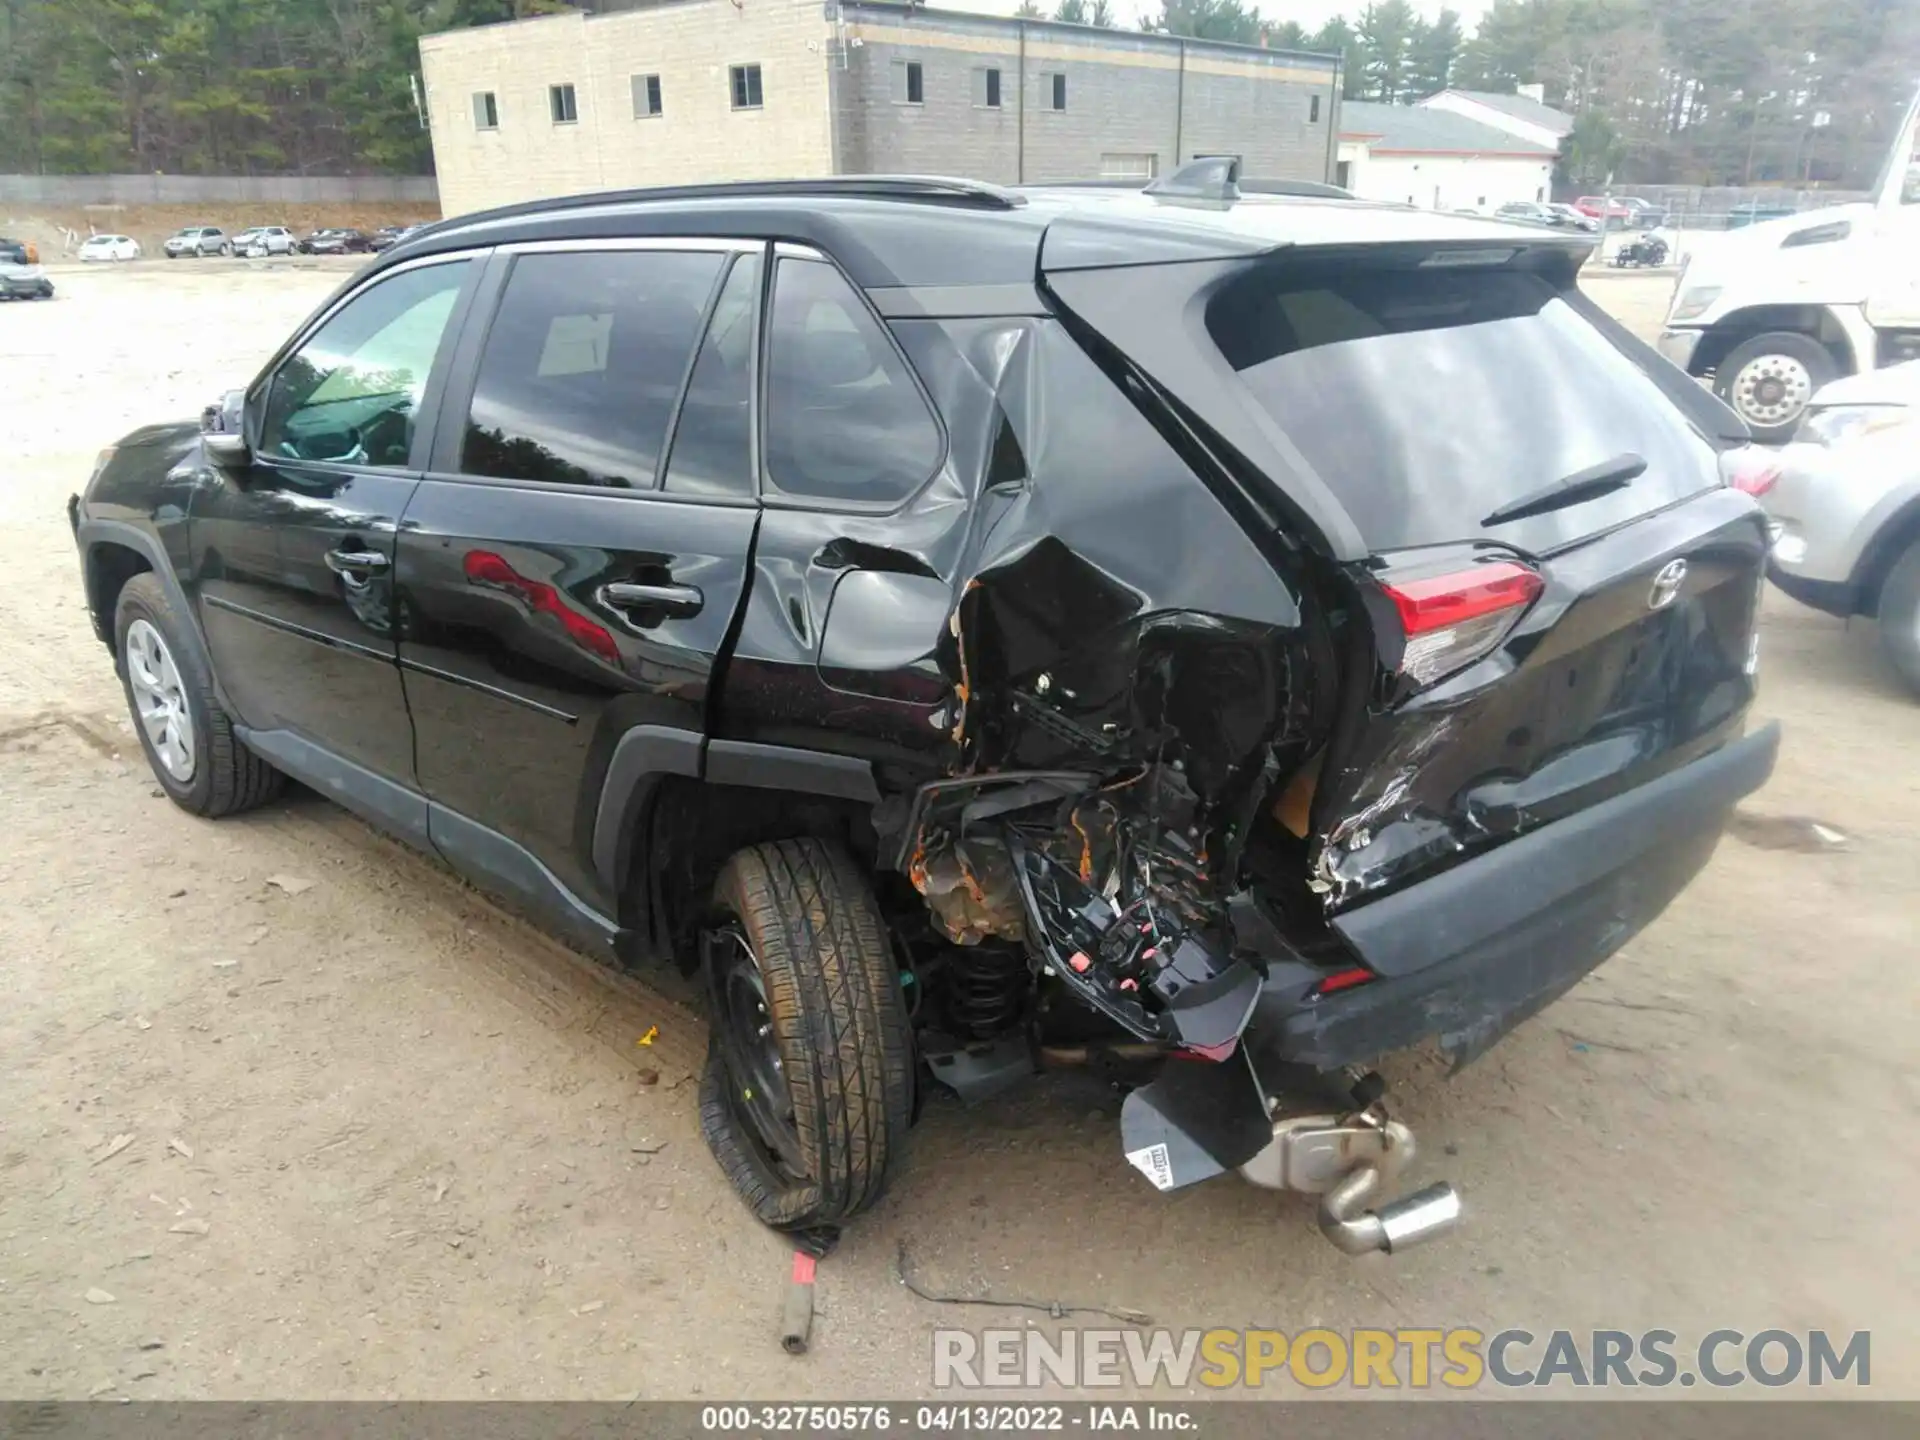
x: 565, y: 108
x: 746, y: 87
x: 845, y: 420
x: 351, y: 393
x: 583, y: 365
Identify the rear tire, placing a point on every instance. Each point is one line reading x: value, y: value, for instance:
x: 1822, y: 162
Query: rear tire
x: 806, y: 1121
x: 1770, y: 379
x: 1899, y: 612
x: 219, y: 776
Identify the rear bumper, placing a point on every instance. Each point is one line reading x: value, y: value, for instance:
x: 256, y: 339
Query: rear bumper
x: 1679, y: 345
x: 1470, y: 953
x: 1835, y: 597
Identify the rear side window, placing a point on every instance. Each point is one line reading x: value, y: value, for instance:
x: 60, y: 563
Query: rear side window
x: 1428, y: 398
x: 583, y: 365
x: 845, y: 420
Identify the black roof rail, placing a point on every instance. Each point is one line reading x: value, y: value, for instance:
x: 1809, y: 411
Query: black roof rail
x: 1317, y: 188
x: 926, y: 189
x: 1212, y: 177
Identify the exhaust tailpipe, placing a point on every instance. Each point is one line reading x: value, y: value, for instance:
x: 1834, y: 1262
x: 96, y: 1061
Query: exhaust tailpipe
x: 1406, y: 1221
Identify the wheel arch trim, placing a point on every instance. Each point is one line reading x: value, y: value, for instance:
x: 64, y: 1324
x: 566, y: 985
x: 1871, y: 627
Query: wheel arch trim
x: 91, y: 534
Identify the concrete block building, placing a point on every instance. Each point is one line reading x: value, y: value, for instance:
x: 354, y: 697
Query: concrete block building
x: 684, y: 91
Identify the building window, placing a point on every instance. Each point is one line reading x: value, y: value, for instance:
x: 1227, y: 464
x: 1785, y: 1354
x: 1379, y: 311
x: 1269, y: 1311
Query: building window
x: 1056, y: 90
x: 486, y: 111
x: 561, y: 102
x: 646, y: 96
x: 746, y: 87
x: 909, y: 83
x: 1313, y: 110
x: 986, y: 89
x: 1141, y: 167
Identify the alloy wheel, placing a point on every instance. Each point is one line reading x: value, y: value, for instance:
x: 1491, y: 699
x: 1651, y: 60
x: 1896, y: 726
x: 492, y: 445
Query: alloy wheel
x: 160, y: 700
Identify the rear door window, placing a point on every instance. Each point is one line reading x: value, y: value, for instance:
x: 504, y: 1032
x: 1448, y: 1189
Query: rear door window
x: 584, y: 364
x: 1428, y: 398
x: 713, y: 440
x: 846, y: 422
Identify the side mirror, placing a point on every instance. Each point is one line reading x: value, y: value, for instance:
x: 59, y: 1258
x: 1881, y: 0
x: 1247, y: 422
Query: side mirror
x: 223, y: 431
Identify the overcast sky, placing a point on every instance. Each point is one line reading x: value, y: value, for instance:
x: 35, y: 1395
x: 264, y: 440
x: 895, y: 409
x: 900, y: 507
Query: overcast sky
x: 1311, y: 14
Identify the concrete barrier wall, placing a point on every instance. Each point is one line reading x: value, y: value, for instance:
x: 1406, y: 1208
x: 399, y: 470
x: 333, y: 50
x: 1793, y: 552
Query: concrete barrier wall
x: 69, y: 190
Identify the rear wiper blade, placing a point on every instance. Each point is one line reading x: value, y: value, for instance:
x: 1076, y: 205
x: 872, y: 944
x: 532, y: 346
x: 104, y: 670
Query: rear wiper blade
x: 1596, y: 480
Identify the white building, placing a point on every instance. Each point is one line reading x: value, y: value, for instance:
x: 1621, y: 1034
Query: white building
x: 1525, y: 114
x: 1437, y: 159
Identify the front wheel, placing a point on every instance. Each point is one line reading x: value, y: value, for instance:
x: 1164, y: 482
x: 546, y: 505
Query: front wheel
x: 1770, y: 380
x: 1899, y: 612
x: 808, y: 1090
x: 196, y: 757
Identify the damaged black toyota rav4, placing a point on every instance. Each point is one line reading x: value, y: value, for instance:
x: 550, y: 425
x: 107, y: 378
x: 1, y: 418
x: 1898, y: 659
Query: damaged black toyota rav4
x: 1222, y: 638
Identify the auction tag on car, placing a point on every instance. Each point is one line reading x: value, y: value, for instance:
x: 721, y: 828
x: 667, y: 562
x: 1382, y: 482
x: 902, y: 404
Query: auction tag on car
x: 1155, y: 1163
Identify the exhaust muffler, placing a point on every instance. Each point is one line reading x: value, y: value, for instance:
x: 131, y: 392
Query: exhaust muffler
x: 1350, y: 1161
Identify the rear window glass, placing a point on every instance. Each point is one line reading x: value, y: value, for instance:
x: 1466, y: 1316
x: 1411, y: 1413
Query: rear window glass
x: 1426, y: 399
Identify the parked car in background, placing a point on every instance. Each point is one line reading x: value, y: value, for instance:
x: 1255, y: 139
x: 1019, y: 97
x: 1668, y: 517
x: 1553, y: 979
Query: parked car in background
x: 110, y: 247
x: 1599, y: 207
x: 1528, y: 212
x: 757, y: 578
x: 1754, y: 213
x: 388, y: 236
x: 196, y: 240
x: 1573, y: 219
x: 1646, y: 215
x: 264, y: 240
x: 24, y: 282
x: 19, y: 252
x: 337, y: 242
x: 1844, y: 499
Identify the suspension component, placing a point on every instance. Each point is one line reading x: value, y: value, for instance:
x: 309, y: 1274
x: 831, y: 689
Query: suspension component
x: 985, y: 989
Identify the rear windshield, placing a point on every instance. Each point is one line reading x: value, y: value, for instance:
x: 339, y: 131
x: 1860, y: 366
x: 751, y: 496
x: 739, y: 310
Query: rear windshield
x: 1428, y: 398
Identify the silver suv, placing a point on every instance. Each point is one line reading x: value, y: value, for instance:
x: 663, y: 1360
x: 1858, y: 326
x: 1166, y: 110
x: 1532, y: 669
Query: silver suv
x: 1845, y: 506
x: 196, y: 240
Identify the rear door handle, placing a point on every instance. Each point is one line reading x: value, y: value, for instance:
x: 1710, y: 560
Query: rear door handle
x: 674, y: 602
x: 357, y: 564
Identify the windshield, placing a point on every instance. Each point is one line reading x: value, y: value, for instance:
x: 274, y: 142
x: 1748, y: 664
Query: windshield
x: 1427, y: 399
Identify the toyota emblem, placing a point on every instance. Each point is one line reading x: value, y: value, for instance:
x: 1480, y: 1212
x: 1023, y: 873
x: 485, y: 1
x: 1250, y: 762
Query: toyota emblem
x: 1666, y: 585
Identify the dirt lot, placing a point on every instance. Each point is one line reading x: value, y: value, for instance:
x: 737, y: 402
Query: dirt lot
x: 384, y: 1141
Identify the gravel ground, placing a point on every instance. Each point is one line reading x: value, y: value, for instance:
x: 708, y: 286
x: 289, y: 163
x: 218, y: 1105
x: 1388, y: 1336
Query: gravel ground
x: 287, y: 1111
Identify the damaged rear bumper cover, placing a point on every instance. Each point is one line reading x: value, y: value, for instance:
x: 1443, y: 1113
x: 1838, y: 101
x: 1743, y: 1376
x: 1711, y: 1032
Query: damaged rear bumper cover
x: 1464, y: 956
x: 1470, y: 953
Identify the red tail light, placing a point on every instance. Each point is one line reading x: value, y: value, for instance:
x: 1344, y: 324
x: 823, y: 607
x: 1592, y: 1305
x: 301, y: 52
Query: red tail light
x: 1751, y: 471
x: 1452, y: 620
x: 1343, y: 980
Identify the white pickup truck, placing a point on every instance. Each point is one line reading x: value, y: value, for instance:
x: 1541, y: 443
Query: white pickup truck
x: 1773, y: 312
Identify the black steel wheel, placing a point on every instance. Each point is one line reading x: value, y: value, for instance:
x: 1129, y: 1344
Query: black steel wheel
x: 808, y: 1089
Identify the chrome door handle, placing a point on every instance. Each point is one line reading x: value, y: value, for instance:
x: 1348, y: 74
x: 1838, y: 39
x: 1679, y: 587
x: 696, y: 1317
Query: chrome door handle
x: 672, y: 601
x: 355, y: 564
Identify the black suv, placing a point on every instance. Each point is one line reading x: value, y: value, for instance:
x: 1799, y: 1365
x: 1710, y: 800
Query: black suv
x: 1219, y: 639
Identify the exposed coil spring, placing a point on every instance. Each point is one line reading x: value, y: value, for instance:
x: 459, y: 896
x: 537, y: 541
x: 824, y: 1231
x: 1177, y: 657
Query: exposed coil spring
x: 986, y: 990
